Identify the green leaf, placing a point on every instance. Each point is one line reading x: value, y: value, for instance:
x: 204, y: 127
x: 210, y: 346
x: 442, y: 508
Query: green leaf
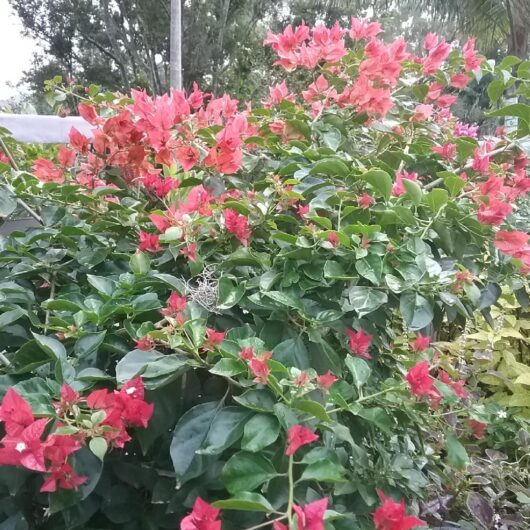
x: 379, y: 417
x: 246, y: 471
x: 51, y: 346
x: 330, y: 167
x: 456, y: 452
x: 225, y: 429
x: 89, y: 343
x: 454, y: 183
x: 413, y: 191
x: 436, y: 199
x: 228, y: 367
x: 517, y: 110
x: 248, y: 502
x: 292, y: 352
x: 359, y: 369
x: 8, y: 202
x: 11, y: 316
x: 489, y: 295
x: 312, y: 407
x: 99, y: 447
x: 370, y: 268
x: 261, y: 400
x: 229, y: 294
x: 324, y: 470
x: 417, y: 311
x: 259, y: 432
x: 284, y: 299
x: 364, y: 300
x: 190, y: 433
x: 140, y: 263
x: 334, y: 271
x: 101, y: 284
x: 495, y: 90
x: 379, y: 180
x: 156, y: 369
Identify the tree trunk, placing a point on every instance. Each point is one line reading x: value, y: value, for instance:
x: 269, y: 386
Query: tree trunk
x: 518, y: 15
x: 175, y: 56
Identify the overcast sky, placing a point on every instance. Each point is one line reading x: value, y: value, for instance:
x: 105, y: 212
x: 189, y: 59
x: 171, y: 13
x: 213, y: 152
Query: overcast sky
x: 15, y: 50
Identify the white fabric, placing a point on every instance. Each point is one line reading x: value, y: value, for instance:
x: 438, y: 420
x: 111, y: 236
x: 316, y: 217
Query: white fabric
x: 33, y: 128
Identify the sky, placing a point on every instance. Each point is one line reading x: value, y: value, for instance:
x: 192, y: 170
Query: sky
x: 16, y: 51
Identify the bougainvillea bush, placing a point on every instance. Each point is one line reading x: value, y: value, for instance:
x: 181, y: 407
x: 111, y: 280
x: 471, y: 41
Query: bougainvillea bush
x: 229, y: 316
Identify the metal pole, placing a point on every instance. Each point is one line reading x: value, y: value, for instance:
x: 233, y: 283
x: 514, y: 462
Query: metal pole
x: 175, y: 47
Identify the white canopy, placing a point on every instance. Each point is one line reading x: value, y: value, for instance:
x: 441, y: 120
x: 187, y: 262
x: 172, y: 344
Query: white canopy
x: 32, y: 128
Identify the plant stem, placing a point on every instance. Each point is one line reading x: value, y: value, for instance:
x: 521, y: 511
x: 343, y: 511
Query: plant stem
x: 266, y: 523
x: 380, y: 393
x: 291, y: 492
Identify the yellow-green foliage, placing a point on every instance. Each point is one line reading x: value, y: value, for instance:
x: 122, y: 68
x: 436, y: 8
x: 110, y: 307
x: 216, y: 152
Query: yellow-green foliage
x: 499, y: 357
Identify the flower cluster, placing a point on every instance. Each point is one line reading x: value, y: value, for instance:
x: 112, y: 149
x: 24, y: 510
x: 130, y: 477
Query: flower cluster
x: 26, y: 445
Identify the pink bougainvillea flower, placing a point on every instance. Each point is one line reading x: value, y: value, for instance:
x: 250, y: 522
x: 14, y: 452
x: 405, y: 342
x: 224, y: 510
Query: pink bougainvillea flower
x: 175, y: 304
x: 359, y: 342
x: 311, y: 516
x: 298, y: 436
x: 302, y: 379
x: 46, y: 171
x: 63, y: 477
x: 494, y: 213
x: 15, y: 412
x: 471, y: 59
x: 259, y: 366
x: 302, y: 209
x: 420, y: 343
x: 203, y: 517
x: 145, y: 343
x: 187, y: 156
x: 149, y: 242
x: 25, y: 448
x: 190, y: 251
x: 333, y: 238
x: 65, y: 157
x: 437, y: 55
x: 362, y: 29
x: 477, y: 428
x: 365, y: 201
x: 392, y: 515
x: 88, y: 113
x: 237, y: 224
x: 447, y: 151
x: 510, y: 242
x: 78, y: 141
x: 326, y: 381
x: 246, y: 353
x: 398, y: 188
x: 460, y: 80
x: 213, y: 339
x: 458, y: 387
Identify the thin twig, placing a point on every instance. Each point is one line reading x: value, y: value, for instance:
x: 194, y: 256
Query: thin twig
x: 4, y: 359
x: 14, y: 165
x: 266, y: 523
x: 52, y: 296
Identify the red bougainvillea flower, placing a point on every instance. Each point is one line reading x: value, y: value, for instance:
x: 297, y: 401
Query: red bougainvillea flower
x: 69, y: 397
x: 456, y: 386
x: 333, y: 238
x: 145, y: 343
x: 26, y: 448
x: 88, y: 113
x: 15, y: 413
x: 203, y: 517
x: 149, y: 242
x: 302, y: 379
x: 259, y: 366
x: 359, y: 342
x: 420, y: 382
x: 64, y: 477
x: 392, y: 515
x: 511, y: 242
x: 420, y: 343
x: 326, y: 381
x: 238, y: 225
x: 447, y: 151
x: 365, y: 201
x: 175, y: 305
x: 477, y: 428
x: 311, y: 516
x: 46, y: 171
x: 297, y: 436
x: 213, y: 339
x: 302, y: 209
